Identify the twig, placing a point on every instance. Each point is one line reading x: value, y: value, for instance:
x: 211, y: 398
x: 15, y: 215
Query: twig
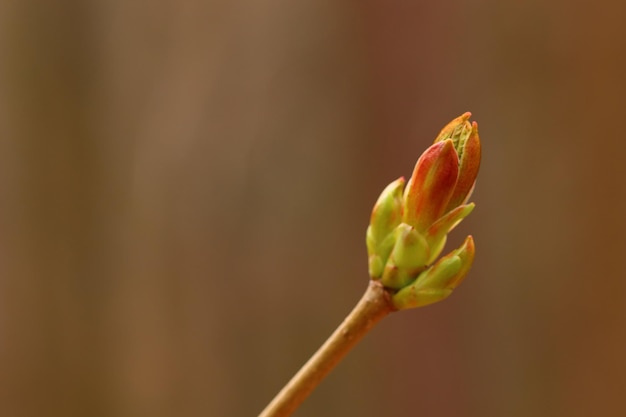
x: 373, y: 306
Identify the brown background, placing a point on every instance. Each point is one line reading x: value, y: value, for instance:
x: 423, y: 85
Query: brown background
x: 185, y: 187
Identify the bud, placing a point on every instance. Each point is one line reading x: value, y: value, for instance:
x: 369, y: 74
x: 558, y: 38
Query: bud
x: 439, y: 280
x: 466, y: 142
x: 442, y: 181
x: 408, y: 258
x: 408, y: 230
x: 469, y: 164
x: 458, y: 130
x: 431, y: 185
x: 386, y: 216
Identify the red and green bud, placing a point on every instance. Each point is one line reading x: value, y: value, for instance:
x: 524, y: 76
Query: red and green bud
x: 408, y: 230
x: 439, y: 280
x: 458, y: 130
x: 431, y: 185
x: 466, y: 142
x: 444, y: 175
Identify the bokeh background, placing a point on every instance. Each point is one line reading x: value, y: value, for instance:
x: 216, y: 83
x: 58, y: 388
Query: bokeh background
x: 185, y: 187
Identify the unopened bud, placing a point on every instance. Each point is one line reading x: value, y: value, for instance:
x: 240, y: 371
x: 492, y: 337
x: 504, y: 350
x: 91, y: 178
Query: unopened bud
x: 408, y: 257
x: 438, y: 281
x: 386, y: 216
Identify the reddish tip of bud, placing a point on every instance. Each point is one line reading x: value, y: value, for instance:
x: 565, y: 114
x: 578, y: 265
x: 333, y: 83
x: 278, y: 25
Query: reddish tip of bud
x: 469, y: 164
x: 448, y: 129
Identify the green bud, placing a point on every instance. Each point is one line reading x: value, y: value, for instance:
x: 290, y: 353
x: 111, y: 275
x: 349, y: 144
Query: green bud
x: 378, y: 252
x: 408, y: 257
x: 386, y: 216
x: 438, y: 281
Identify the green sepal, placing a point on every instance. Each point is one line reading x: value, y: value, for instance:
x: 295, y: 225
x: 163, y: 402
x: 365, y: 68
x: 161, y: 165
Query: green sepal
x: 436, y: 234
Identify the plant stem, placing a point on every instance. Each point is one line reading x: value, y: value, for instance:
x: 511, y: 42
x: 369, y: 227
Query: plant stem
x: 373, y: 306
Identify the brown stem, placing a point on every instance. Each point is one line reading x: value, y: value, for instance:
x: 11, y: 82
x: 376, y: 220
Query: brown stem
x: 373, y: 306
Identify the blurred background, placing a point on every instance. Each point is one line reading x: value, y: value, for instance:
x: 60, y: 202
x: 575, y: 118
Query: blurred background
x: 185, y: 187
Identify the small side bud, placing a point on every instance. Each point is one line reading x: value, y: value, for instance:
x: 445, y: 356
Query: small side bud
x: 408, y: 257
x: 386, y: 216
x: 438, y: 281
x: 378, y: 252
